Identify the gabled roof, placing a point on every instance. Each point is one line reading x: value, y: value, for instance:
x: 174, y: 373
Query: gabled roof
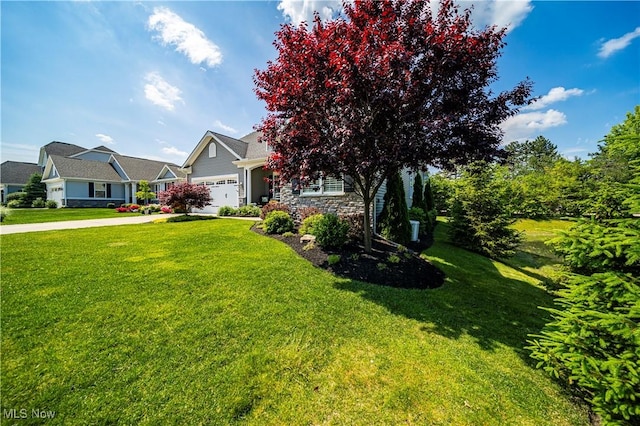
x: 255, y: 150
x: 82, y: 169
x: 58, y: 148
x: 140, y: 168
x: 103, y: 148
x: 236, y: 147
x: 17, y: 172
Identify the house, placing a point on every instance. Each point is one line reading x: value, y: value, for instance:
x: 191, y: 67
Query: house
x: 80, y: 177
x: 14, y: 176
x: 233, y: 170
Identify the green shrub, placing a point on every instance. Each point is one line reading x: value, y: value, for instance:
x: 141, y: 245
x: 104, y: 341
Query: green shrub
x: 394, y: 219
x: 188, y: 218
x: 393, y: 258
x: 332, y: 259
x: 226, y: 211
x: 249, y: 211
x: 273, y: 206
x: 331, y: 231
x: 593, y: 342
x: 309, y: 224
x: 278, y: 222
x: 51, y: 204
x: 16, y: 196
x: 111, y: 205
x: 288, y: 234
x: 38, y: 203
x: 14, y: 204
x: 418, y: 214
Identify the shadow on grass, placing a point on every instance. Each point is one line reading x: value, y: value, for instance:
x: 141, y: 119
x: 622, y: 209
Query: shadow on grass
x: 479, y: 298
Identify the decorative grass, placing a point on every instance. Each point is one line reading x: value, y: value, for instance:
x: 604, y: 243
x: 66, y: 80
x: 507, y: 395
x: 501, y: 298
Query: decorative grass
x: 210, y: 323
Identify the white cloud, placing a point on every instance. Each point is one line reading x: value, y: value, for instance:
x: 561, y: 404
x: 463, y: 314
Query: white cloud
x: 161, y: 93
x: 105, y: 138
x: 556, y: 94
x: 218, y: 124
x: 162, y: 123
x: 173, y: 151
x: 302, y: 10
x: 503, y: 13
x: 610, y: 47
x: 524, y: 125
x: 186, y: 37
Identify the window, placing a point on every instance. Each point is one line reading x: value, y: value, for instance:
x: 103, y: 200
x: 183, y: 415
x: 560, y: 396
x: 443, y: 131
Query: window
x: 326, y: 185
x: 100, y: 190
x: 212, y: 150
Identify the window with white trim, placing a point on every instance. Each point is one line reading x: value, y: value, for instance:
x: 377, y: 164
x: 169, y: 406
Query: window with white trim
x: 325, y: 185
x: 212, y: 150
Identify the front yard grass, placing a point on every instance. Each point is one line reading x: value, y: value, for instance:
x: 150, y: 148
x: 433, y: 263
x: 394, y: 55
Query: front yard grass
x: 209, y: 323
x: 20, y: 216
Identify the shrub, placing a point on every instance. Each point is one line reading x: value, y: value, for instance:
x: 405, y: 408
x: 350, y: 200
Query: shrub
x: 122, y: 209
x: 226, y: 211
x: 189, y: 218
x: 590, y: 344
x: 51, y: 204
x: 356, y: 225
x: 331, y: 231
x: 393, y: 258
x: 278, y: 222
x: 14, y: 204
x: 288, y: 234
x: 309, y: 224
x: 394, y: 219
x: 305, y: 212
x: 249, y: 211
x: 166, y: 209
x: 19, y: 196
x: 332, y: 259
x: 418, y: 214
x: 154, y: 207
x: 111, y: 205
x: 273, y: 206
x: 38, y: 203
x: 134, y: 207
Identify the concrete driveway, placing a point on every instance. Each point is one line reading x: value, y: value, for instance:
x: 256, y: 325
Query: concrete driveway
x: 74, y: 224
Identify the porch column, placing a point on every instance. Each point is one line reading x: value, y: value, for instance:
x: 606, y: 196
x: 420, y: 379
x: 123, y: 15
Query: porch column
x: 247, y: 183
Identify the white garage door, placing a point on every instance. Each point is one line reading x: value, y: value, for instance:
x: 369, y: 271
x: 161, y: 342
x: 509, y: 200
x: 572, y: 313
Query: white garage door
x: 224, y: 192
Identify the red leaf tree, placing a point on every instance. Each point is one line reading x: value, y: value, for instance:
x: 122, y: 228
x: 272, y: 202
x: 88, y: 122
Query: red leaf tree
x: 184, y: 196
x: 388, y: 86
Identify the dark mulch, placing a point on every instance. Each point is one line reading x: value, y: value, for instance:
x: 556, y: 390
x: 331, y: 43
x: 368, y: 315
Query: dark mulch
x: 411, y: 271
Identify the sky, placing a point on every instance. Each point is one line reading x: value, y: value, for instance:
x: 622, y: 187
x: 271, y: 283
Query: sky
x: 148, y: 79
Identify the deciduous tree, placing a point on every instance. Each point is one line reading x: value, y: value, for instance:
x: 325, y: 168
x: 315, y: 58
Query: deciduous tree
x: 389, y: 85
x: 184, y: 196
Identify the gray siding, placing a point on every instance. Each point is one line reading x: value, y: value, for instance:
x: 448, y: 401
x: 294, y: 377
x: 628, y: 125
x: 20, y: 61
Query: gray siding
x: 95, y: 156
x: 221, y: 164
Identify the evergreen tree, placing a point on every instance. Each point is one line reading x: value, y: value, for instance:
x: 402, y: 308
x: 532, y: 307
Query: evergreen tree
x: 34, y: 189
x: 417, y: 199
x: 480, y: 218
x: 394, y: 219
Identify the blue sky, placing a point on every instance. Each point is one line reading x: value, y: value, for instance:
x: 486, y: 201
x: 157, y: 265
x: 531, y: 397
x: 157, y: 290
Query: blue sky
x: 148, y: 79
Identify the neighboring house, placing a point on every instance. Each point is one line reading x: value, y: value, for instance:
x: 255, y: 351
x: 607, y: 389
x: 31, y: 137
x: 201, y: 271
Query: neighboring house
x: 14, y: 176
x: 99, y: 176
x: 234, y: 171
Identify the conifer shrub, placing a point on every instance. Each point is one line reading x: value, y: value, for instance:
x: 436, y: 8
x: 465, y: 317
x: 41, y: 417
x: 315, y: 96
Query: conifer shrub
x: 278, y: 222
x: 394, y: 222
x: 51, y: 204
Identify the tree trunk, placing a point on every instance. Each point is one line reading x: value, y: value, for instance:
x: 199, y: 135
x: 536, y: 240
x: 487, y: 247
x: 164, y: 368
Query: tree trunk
x: 367, y: 225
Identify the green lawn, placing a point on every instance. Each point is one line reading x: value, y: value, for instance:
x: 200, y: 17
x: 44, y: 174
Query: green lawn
x: 207, y: 322
x: 18, y: 216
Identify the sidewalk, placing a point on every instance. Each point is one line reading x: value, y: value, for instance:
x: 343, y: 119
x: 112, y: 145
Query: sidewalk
x: 74, y: 224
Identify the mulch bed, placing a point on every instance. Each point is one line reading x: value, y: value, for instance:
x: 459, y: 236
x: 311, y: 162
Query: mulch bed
x: 411, y: 271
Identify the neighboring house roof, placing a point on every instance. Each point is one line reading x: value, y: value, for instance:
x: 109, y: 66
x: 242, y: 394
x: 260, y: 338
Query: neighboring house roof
x: 58, y: 148
x: 16, y: 172
x: 140, y: 168
x: 76, y: 168
x: 244, y: 149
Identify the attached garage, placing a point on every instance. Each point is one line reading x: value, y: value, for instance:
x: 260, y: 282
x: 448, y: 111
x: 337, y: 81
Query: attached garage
x: 224, y: 191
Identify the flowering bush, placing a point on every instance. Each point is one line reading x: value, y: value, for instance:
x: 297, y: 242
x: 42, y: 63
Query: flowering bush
x: 166, y: 209
x: 134, y: 207
x: 122, y: 209
x: 273, y: 206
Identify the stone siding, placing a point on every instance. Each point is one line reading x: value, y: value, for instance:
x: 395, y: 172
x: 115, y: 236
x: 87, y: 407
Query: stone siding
x: 346, y: 204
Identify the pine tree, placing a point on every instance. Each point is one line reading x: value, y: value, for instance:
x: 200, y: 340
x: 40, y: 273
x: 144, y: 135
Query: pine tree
x: 34, y: 189
x: 417, y: 199
x: 394, y: 219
